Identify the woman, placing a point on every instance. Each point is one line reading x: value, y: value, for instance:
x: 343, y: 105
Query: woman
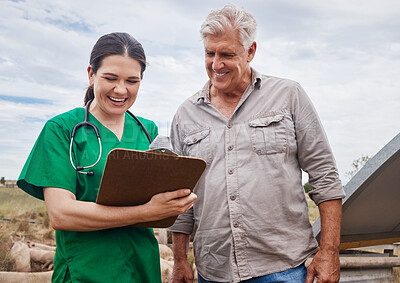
x: 94, y: 242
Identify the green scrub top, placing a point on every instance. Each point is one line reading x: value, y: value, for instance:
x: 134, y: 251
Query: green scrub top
x: 126, y: 254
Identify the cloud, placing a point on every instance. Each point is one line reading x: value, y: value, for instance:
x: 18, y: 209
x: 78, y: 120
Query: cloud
x: 21, y: 99
x: 345, y: 54
x: 168, y: 81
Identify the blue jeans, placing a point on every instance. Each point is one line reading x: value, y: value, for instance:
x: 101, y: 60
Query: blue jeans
x: 294, y: 275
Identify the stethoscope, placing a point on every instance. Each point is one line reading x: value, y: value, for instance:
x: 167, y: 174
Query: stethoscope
x: 87, y: 123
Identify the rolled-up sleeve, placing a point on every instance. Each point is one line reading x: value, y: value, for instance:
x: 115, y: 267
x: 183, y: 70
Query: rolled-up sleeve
x: 184, y: 223
x: 314, y: 152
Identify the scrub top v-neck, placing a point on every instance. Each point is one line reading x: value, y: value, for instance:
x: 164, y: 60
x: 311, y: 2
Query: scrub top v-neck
x: 125, y: 254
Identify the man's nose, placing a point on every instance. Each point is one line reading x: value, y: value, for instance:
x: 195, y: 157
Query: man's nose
x: 217, y: 63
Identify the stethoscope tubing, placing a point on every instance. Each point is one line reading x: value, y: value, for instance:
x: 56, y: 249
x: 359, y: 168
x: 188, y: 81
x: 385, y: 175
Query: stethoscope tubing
x: 86, y: 122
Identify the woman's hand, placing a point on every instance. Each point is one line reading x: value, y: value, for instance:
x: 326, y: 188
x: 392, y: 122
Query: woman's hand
x: 168, y: 204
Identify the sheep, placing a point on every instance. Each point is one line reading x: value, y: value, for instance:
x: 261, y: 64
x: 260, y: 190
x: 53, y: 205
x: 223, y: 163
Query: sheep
x: 23, y: 254
x: 166, y: 270
x: 20, y: 253
x: 45, y: 257
x: 40, y: 246
x: 165, y: 252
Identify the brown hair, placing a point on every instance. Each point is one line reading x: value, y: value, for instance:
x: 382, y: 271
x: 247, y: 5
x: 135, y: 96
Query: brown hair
x: 117, y: 43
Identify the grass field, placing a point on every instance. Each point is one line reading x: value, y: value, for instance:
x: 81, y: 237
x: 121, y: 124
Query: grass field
x: 313, y: 212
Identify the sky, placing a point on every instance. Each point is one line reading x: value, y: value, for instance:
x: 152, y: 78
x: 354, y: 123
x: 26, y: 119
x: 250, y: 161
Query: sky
x: 345, y: 54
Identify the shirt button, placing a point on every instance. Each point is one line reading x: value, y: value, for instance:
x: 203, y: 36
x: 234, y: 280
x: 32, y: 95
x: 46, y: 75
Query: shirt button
x: 233, y: 197
x: 230, y: 147
x: 230, y: 171
x: 235, y: 225
x: 229, y: 125
x: 194, y: 139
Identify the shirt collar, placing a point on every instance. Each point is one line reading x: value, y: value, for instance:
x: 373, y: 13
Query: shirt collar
x: 204, y: 93
x: 256, y: 78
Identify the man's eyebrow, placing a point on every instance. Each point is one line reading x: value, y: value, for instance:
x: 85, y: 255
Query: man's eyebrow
x: 221, y: 51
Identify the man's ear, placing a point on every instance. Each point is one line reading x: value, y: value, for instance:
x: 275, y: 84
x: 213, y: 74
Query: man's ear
x: 251, y: 51
x: 90, y: 75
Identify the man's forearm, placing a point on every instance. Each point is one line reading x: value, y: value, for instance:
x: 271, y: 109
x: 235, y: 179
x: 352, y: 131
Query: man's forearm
x: 182, y: 272
x: 331, y: 215
x: 180, y: 243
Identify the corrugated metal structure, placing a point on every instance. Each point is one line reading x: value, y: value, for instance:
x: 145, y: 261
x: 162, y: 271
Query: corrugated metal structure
x: 371, y: 216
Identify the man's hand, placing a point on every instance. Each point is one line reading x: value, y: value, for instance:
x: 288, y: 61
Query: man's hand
x: 325, y: 267
x: 182, y: 272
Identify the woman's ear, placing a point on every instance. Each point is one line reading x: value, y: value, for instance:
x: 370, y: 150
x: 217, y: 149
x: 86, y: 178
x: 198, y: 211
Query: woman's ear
x: 90, y: 75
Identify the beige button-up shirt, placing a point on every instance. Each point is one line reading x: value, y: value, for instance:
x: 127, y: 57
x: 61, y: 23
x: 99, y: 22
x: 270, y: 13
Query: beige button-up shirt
x: 251, y: 213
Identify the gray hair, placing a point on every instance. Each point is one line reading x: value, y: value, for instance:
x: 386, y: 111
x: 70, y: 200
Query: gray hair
x: 230, y: 17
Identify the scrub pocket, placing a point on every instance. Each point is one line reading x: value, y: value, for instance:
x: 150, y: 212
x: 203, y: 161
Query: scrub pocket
x: 103, y: 263
x: 268, y: 134
x: 197, y: 144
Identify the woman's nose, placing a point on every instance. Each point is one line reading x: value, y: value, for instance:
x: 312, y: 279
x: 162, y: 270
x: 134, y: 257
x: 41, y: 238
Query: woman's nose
x: 120, y: 88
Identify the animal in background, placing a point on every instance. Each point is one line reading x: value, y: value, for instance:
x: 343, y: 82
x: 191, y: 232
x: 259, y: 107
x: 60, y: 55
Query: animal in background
x: 20, y: 253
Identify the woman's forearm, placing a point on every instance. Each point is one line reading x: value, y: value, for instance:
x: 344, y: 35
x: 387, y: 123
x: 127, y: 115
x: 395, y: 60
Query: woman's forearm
x: 67, y: 213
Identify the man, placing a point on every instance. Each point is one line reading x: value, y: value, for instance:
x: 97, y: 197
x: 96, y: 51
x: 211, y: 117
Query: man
x: 256, y: 133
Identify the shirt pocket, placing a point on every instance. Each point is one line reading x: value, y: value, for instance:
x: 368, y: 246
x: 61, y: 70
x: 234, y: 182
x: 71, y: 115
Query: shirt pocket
x: 197, y: 144
x: 268, y: 134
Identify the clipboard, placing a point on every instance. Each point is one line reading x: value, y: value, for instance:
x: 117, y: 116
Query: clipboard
x: 132, y: 177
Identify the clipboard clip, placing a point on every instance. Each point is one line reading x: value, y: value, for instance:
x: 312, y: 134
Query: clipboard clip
x: 162, y: 150
x: 161, y: 144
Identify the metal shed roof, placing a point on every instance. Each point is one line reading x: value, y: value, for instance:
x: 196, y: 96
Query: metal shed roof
x: 371, y: 208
